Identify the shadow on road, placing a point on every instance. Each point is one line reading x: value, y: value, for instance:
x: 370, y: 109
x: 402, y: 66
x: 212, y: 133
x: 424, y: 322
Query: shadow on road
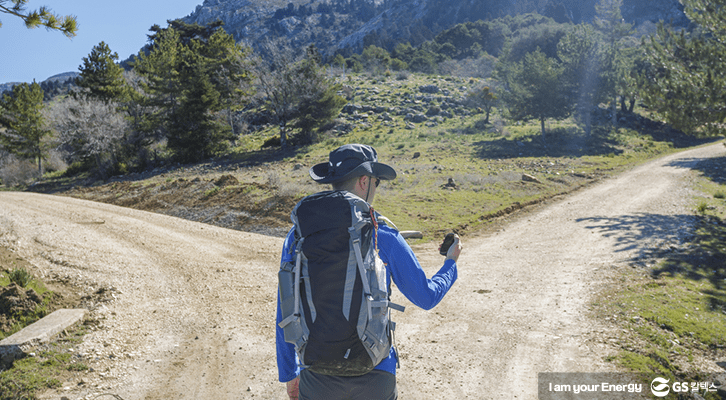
x: 647, y: 236
x: 713, y: 169
x: 690, y: 246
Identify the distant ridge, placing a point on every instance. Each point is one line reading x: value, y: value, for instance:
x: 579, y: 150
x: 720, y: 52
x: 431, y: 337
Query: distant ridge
x: 62, y: 77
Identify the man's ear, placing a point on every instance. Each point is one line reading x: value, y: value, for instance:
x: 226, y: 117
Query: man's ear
x: 361, y: 181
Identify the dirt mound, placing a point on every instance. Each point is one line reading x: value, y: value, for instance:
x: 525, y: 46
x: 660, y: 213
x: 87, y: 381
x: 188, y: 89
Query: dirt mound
x: 16, y: 303
x: 223, y: 201
x: 226, y: 180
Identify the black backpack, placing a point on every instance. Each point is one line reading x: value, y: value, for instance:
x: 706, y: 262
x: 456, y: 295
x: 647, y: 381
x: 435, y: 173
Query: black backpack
x: 334, y: 297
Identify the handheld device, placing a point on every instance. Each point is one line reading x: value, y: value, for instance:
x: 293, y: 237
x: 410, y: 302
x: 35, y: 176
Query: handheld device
x: 448, y: 241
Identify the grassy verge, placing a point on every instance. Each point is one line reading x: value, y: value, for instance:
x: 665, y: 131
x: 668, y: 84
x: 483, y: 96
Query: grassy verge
x: 50, y: 364
x: 674, y: 316
x: 39, y: 297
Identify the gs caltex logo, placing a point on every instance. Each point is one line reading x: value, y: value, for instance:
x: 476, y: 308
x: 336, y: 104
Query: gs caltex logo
x: 660, y: 387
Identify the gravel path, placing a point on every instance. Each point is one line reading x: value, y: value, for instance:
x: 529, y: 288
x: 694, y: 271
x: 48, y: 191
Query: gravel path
x: 191, y: 310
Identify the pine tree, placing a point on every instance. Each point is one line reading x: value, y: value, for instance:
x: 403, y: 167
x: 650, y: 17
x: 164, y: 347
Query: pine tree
x: 579, y: 52
x: 536, y: 89
x: 684, y: 82
x: 319, y: 102
x: 192, y: 73
x: 41, y: 17
x: 193, y: 132
x: 102, y: 76
x: 299, y: 93
x: 609, y: 22
x: 20, y: 114
x: 159, y: 68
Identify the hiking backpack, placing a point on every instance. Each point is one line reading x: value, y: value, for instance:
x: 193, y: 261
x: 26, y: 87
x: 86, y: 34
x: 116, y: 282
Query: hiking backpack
x: 334, y: 295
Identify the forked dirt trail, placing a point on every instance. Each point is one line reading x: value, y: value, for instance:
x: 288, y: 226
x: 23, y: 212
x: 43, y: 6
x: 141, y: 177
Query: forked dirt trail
x: 192, y: 310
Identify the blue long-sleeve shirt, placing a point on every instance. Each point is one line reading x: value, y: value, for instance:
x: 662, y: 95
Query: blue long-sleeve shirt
x: 403, y: 267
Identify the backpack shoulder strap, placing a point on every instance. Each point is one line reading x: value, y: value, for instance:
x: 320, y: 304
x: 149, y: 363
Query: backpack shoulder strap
x: 355, y: 265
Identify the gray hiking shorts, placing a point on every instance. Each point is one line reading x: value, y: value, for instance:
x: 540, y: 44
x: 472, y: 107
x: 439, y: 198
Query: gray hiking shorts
x: 375, y: 385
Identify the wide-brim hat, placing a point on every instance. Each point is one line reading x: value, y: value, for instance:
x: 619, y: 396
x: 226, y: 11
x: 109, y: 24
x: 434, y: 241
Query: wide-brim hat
x: 350, y: 161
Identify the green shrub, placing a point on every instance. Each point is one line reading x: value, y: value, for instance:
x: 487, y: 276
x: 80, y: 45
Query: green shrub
x: 77, y: 367
x: 212, y: 192
x: 21, y: 277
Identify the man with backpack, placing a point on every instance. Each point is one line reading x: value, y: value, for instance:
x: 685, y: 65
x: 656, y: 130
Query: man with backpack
x: 334, y: 335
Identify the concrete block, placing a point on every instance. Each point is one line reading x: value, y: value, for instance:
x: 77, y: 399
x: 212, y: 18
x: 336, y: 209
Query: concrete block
x: 18, y: 345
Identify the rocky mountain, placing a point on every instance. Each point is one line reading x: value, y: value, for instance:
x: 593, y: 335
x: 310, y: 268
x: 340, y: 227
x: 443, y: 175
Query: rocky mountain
x: 349, y: 25
x: 54, y: 82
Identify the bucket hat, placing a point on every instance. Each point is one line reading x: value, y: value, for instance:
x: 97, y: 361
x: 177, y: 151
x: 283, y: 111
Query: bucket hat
x: 350, y: 161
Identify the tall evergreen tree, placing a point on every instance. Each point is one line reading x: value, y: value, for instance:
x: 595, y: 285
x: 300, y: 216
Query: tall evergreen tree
x: 20, y: 114
x: 101, y: 75
x: 194, y: 133
x: 159, y: 68
x: 609, y: 22
x: 536, y: 89
x: 319, y: 101
x: 192, y: 73
x: 684, y: 82
x: 299, y: 94
x: 579, y: 52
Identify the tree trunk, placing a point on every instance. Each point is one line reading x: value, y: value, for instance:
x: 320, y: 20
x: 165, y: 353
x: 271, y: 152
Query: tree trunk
x: 614, y: 110
x: 283, y: 136
x: 231, y: 123
x: 587, y: 116
x: 39, y: 155
x: 99, y: 165
x: 542, y: 124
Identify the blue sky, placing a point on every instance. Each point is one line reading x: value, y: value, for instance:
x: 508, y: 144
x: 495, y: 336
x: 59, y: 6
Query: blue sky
x: 27, y: 54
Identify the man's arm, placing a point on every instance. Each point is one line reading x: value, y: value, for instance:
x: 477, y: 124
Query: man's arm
x: 407, y: 273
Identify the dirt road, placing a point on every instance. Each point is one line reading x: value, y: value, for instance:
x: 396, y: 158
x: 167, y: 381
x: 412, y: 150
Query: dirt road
x: 191, y: 310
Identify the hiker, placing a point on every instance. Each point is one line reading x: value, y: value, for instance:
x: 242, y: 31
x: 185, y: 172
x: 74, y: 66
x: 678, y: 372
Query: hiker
x: 355, y: 174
